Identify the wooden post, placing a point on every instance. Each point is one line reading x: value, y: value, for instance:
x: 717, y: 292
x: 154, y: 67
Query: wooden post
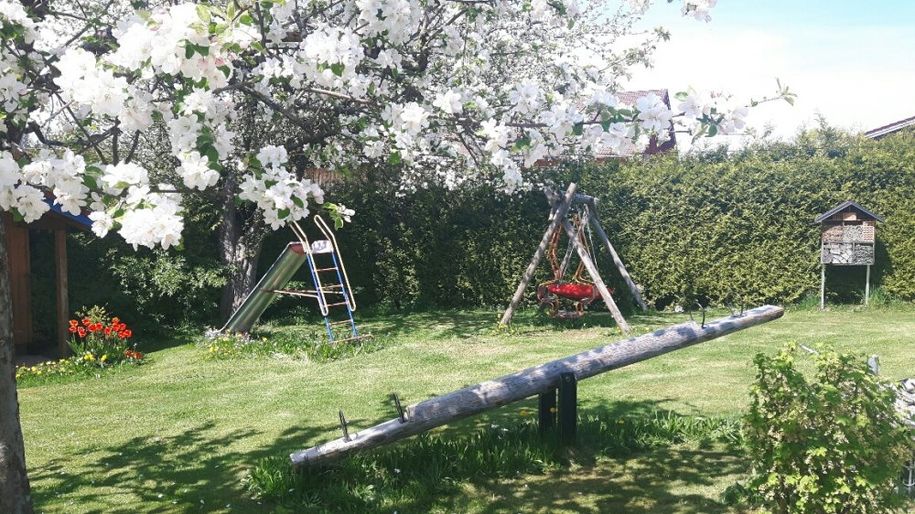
x: 63, y: 299
x: 546, y: 411
x: 568, y: 408
x: 19, y: 262
x: 441, y: 410
x: 558, y: 216
x: 633, y: 288
x: 822, y: 286
x: 867, y: 284
x: 595, y: 276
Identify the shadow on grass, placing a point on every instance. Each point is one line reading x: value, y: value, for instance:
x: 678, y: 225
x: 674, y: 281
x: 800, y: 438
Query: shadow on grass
x: 195, y: 470
x: 630, y: 457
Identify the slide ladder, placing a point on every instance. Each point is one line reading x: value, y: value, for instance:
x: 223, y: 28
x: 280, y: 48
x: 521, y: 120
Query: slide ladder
x: 331, y: 287
x: 331, y: 284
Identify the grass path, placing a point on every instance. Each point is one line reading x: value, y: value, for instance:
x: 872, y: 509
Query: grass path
x: 179, y: 433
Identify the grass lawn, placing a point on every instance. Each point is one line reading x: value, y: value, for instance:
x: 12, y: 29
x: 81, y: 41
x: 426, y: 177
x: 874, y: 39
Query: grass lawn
x: 180, y: 433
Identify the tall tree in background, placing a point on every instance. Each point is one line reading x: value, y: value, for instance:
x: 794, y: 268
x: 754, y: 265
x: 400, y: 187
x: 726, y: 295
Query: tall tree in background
x: 249, y: 95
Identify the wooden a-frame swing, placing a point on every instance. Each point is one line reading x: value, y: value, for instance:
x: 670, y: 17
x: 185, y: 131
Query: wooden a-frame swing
x: 579, y: 289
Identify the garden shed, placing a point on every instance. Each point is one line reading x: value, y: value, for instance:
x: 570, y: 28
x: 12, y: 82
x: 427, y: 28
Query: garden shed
x: 19, y: 236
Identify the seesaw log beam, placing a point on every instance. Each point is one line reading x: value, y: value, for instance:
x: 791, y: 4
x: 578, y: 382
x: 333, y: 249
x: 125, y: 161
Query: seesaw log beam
x: 475, y: 399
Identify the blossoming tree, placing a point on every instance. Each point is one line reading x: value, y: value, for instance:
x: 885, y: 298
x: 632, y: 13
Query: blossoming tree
x: 123, y: 109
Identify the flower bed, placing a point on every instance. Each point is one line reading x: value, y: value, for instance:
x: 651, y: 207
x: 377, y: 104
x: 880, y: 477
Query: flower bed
x: 97, y: 342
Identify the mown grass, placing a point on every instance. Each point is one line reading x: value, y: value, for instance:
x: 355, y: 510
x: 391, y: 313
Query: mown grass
x: 429, y: 472
x: 182, y: 432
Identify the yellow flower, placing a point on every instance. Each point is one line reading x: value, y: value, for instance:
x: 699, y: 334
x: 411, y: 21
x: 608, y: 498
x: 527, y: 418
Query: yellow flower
x: 104, y: 357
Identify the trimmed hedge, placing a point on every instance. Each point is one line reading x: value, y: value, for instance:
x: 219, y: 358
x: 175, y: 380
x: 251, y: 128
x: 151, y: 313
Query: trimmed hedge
x: 730, y: 229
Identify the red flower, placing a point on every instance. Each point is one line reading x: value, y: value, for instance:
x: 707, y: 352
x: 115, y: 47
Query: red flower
x: 72, y: 329
x: 115, y: 320
x: 87, y: 322
x: 81, y: 331
x: 107, y: 331
x: 74, y: 323
x: 125, y: 334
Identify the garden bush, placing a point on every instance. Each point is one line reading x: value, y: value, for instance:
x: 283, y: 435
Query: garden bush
x: 832, y: 442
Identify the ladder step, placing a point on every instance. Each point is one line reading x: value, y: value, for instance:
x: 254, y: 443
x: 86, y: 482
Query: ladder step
x: 293, y: 292
x: 337, y: 304
x: 346, y: 321
x: 326, y: 269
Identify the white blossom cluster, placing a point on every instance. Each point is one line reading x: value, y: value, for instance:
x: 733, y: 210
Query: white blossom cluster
x: 445, y: 91
x: 712, y: 110
x: 276, y: 191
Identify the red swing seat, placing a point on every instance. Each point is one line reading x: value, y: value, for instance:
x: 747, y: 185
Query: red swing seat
x: 576, y: 291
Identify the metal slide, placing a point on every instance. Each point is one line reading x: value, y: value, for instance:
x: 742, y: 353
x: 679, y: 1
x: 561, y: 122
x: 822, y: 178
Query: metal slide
x: 292, y: 258
x: 328, y: 276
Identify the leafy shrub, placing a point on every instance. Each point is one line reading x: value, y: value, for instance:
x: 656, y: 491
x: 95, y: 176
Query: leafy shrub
x: 833, y: 443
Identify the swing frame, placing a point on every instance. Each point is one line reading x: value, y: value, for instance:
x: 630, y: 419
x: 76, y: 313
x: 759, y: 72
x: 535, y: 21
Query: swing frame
x: 552, y: 298
x: 559, y: 220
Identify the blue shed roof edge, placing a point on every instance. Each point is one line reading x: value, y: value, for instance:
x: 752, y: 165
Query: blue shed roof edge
x: 82, y: 219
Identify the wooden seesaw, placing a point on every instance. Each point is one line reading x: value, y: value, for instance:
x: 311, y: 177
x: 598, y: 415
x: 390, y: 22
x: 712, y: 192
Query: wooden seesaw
x: 541, y: 380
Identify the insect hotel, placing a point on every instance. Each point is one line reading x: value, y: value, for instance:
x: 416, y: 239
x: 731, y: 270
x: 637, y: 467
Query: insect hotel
x: 847, y: 235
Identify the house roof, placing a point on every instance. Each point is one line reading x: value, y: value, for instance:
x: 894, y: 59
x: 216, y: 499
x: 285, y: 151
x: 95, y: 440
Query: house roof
x: 845, y: 205
x: 886, y: 130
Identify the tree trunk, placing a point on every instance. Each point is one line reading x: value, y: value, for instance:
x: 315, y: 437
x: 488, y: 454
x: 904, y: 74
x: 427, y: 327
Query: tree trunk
x: 15, y: 494
x: 240, y: 243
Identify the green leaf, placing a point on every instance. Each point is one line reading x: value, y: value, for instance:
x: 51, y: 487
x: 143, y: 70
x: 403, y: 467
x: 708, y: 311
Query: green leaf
x: 337, y: 68
x: 203, y: 12
x: 522, y: 143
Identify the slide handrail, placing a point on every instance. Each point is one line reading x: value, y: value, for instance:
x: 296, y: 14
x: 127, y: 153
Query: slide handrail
x: 329, y: 234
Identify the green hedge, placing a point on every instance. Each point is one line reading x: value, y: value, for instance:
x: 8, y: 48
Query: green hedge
x: 730, y: 229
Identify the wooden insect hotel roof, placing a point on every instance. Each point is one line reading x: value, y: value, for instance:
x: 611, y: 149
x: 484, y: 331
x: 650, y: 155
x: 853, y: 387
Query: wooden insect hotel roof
x: 850, y: 206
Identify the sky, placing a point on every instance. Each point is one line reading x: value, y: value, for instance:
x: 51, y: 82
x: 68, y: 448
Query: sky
x: 851, y: 61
